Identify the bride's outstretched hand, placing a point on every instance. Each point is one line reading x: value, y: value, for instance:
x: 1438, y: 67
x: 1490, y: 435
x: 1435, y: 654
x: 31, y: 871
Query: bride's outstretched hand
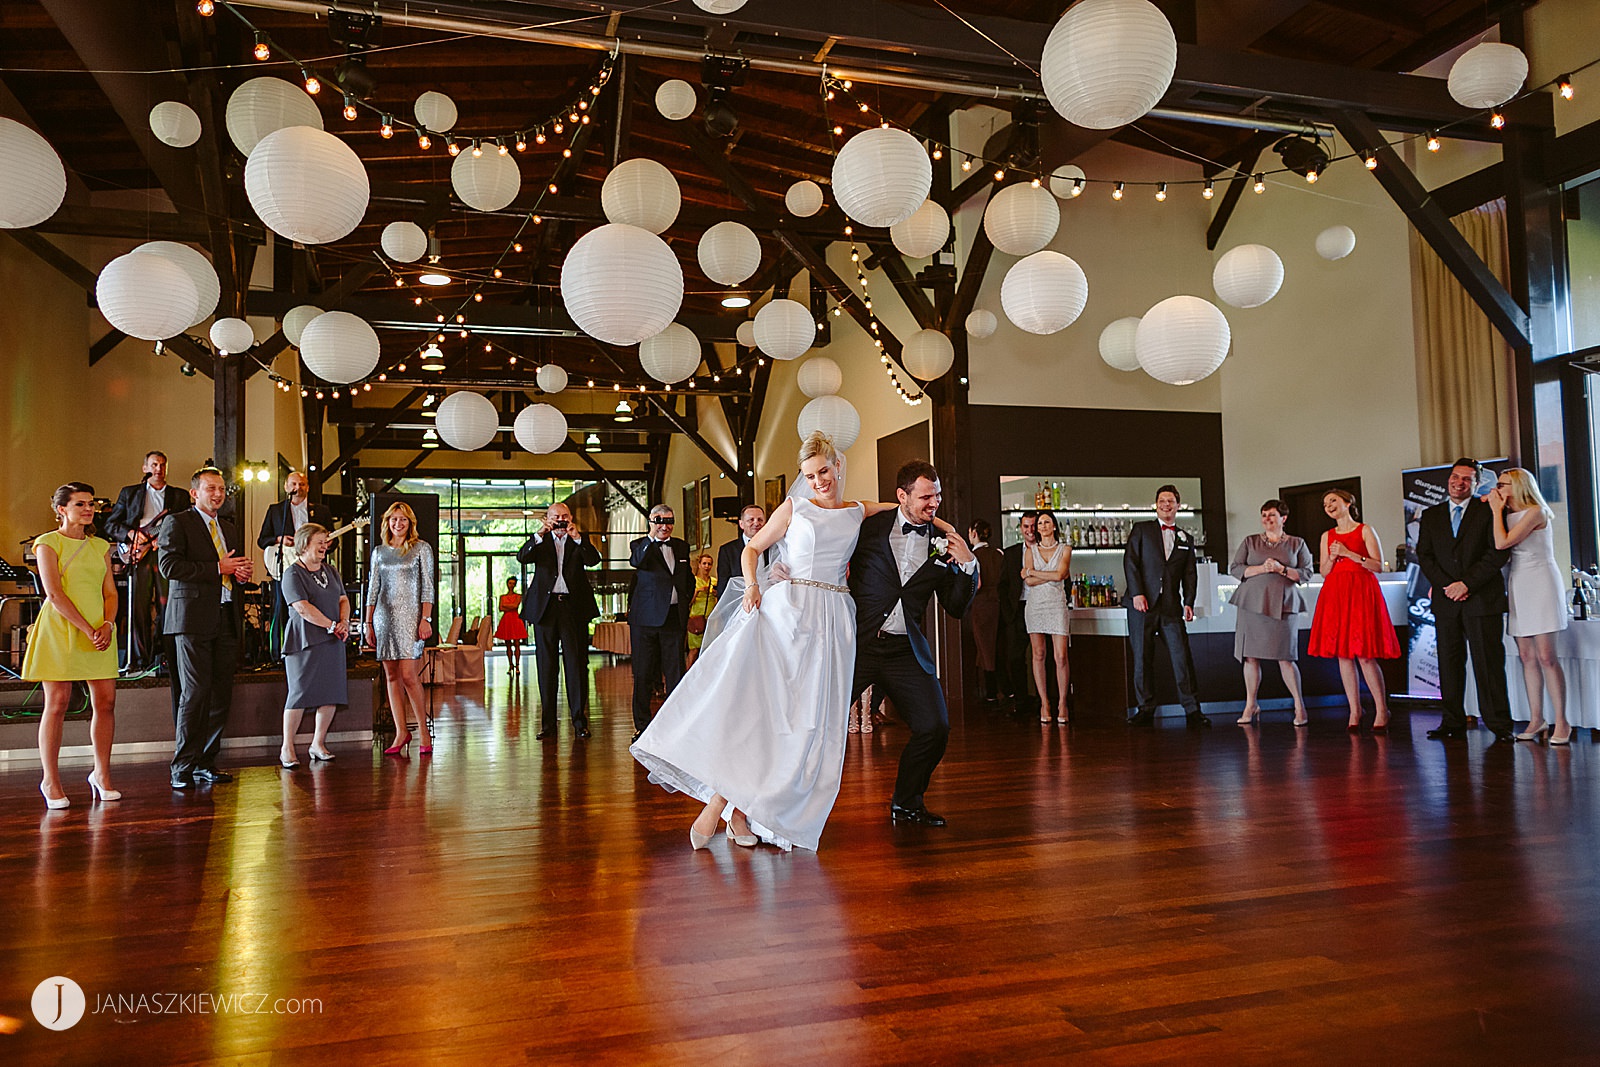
x: 752, y: 597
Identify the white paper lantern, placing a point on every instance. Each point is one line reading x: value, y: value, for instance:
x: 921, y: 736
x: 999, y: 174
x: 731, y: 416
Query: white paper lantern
x: 295, y: 321
x: 486, y: 182
x: 1336, y: 242
x: 982, y: 323
x: 266, y: 105
x: 404, y: 242
x: 1116, y: 344
x: 834, y: 416
x: 642, y: 193
x: 175, y: 124
x: 671, y: 355
x: 467, y: 421
x: 924, y: 233
x: 804, y: 198
x: 1487, y: 75
x: 1021, y: 219
x: 145, y: 296
x: 33, y: 180
x: 729, y: 252
x: 719, y: 7
x: 928, y: 354
x: 746, y: 333
x: 784, y: 329
x: 435, y: 112
x: 819, y: 376
x: 339, y: 347
x: 1248, y: 276
x: 551, y: 378
x: 621, y: 284
x: 1107, y: 62
x: 676, y: 99
x: 1044, y: 292
x: 1065, y: 181
x: 1182, y: 339
x: 207, y: 287
x: 881, y: 176
x: 307, y: 185
x: 232, y: 335
x: 540, y: 428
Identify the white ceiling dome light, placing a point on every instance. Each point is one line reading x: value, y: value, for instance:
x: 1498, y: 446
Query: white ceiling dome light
x: 339, y: 347
x: 467, y: 421
x: 485, y: 181
x: 1116, y: 344
x: 982, y: 323
x: 1044, y: 292
x: 175, y: 124
x: 621, y: 284
x: 784, y: 329
x: 881, y: 176
x: 435, y: 112
x: 1021, y: 219
x: 33, y: 180
x: 1487, y: 75
x: 266, y: 105
x: 404, y: 242
x: 928, y: 354
x: 307, y: 185
x: 834, y: 416
x: 551, y: 378
x: 1336, y: 242
x: 540, y: 428
x: 1247, y: 276
x: 1107, y: 62
x: 1182, y: 340
x: 642, y: 193
x: 676, y: 100
x: 804, y: 198
x: 819, y: 376
x: 729, y: 252
x: 671, y: 355
x: 145, y: 296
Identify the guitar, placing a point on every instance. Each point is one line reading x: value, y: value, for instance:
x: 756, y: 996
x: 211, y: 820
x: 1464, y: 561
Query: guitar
x: 141, y: 539
x: 277, y: 557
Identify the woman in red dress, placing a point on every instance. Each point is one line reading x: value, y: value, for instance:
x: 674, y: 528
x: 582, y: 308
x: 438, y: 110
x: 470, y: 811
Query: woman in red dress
x: 1352, y: 623
x: 512, y: 630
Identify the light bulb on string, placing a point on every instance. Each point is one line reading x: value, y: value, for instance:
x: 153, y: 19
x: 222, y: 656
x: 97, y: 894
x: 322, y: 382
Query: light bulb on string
x: 1209, y: 191
x: 313, y: 84
x: 423, y: 141
x: 386, y: 130
x: 477, y: 150
x: 1077, y: 187
x: 1369, y: 160
x: 1116, y: 191
x: 1433, y: 141
x: 1497, y: 120
x: 1161, y: 191
x: 1261, y: 183
x: 350, y: 111
x: 206, y: 8
x: 1311, y: 177
x: 500, y: 143
x: 261, y: 50
x: 451, y: 146
x: 1564, y: 86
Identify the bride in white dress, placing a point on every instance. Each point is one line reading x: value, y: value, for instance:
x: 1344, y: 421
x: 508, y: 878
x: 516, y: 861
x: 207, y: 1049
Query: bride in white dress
x: 756, y: 729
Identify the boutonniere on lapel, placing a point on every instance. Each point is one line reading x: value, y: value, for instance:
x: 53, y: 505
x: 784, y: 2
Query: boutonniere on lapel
x: 938, y: 548
x: 1181, y: 538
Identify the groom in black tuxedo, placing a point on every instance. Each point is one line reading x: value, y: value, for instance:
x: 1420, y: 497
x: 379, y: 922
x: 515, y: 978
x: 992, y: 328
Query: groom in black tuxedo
x: 1159, y: 567
x: 901, y: 561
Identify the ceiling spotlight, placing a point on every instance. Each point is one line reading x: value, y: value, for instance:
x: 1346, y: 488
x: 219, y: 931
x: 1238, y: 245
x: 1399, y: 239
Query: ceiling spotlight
x: 592, y: 442
x: 624, y: 412
x: 736, y: 301
x: 355, y: 79
x: 721, y: 75
x: 187, y: 370
x: 432, y: 359
x: 1303, y: 155
x: 434, y: 278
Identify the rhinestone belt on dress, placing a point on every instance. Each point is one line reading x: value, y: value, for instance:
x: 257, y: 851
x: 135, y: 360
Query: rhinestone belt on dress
x: 820, y: 585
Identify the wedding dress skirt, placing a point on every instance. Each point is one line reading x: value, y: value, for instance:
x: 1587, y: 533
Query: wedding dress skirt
x: 761, y: 716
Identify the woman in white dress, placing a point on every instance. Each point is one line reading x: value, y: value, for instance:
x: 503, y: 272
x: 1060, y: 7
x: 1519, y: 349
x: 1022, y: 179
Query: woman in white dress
x: 756, y: 728
x: 1045, y: 565
x: 1536, y: 596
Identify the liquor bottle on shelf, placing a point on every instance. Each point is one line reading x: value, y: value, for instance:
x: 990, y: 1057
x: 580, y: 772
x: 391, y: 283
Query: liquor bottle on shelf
x: 1105, y: 535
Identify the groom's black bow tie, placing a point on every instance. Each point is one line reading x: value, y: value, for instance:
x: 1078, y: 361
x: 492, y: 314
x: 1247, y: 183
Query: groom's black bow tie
x: 906, y: 527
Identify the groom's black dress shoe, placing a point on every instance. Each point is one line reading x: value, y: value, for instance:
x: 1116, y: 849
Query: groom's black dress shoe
x: 1197, y: 721
x: 1447, y: 733
x: 916, y: 815
x: 206, y: 774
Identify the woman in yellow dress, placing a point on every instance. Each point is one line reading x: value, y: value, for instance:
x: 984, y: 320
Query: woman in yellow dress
x: 705, y: 598
x: 73, y: 640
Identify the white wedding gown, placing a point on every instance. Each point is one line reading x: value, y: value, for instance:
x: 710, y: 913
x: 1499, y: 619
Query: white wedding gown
x: 761, y: 716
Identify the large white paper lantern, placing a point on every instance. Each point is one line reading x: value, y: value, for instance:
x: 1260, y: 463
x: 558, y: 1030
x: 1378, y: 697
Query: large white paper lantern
x: 1487, y: 75
x: 1336, y: 242
x: 924, y: 233
x: 621, y: 284
x: 307, y: 185
x: 804, y: 198
x: 145, y: 296
x: 676, y: 99
x: 435, y: 112
x: 1182, y: 339
x: 175, y: 123
x: 1021, y: 219
x: 232, y: 335
x: 881, y: 176
x: 746, y: 333
x: 819, y: 376
x: 487, y: 181
x: 927, y: 354
x: 467, y: 421
x: 719, y: 7
x: 1044, y: 292
x: 295, y: 321
x: 642, y: 193
x: 1116, y: 344
x: 834, y: 416
x: 1107, y: 62
x: 33, y: 180
x: 729, y: 252
x: 207, y: 286
x: 671, y: 355
x: 784, y: 329
x: 1247, y: 276
x: 1067, y: 181
x: 404, y: 242
x: 266, y: 105
x: 982, y: 323
x: 339, y: 347
x: 551, y: 378
x: 540, y: 428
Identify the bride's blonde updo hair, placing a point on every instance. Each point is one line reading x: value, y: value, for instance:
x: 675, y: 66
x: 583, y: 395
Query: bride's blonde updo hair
x: 816, y: 444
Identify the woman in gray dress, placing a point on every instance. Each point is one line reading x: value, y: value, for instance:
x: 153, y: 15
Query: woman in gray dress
x: 313, y: 642
x: 400, y: 597
x: 1270, y: 566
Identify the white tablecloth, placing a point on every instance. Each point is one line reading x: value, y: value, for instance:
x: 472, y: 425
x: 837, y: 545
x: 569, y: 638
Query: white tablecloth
x: 1578, y: 649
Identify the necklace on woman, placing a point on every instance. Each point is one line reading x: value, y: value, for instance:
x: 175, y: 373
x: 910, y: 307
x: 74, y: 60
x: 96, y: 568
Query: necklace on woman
x: 316, y: 576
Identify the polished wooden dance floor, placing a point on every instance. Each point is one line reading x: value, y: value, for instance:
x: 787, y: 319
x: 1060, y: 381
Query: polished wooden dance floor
x: 1260, y: 895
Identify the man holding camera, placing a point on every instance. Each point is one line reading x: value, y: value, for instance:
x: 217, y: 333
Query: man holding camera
x: 658, y: 612
x: 558, y: 604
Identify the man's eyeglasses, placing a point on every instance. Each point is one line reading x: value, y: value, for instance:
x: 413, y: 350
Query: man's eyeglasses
x: 662, y: 520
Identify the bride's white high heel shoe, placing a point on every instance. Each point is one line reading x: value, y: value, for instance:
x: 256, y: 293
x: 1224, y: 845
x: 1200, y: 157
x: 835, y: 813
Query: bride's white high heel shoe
x: 742, y: 840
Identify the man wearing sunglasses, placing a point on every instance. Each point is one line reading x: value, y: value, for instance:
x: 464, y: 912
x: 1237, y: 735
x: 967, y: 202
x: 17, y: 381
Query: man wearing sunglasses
x: 658, y: 612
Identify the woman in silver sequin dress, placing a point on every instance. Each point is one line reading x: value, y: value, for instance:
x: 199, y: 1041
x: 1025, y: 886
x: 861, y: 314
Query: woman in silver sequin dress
x: 400, y: 598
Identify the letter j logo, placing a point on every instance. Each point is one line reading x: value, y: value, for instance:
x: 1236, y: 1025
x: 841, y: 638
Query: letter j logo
x: 58, y: 1003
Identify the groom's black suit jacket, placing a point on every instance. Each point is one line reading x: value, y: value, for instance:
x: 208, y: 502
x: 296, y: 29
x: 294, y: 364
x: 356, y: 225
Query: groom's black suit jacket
x: 875, y: 585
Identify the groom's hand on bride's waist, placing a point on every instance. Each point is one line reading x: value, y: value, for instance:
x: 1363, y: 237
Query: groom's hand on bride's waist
x: 780, y: 572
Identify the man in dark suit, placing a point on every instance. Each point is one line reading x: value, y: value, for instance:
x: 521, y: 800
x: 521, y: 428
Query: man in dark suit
x: 900, y: 563
x: 1455, y: 550
x: 131, y: 524
x: 730, y: 563
x: 558, y: 604
x: 277, y: 528
x: 1013, y: 627
x: 658, y: 612
x: 985, y: 613
x: 1159, y: 565
x: 201, y: 559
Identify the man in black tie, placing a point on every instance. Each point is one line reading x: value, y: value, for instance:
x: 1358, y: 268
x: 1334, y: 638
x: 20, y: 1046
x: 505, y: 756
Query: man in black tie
x: 277, y: 529
x: 729, y: 563
x: 558, y: 604
x: 1159, y: 565
x: 658, y: 612
x: 1455, y: 550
